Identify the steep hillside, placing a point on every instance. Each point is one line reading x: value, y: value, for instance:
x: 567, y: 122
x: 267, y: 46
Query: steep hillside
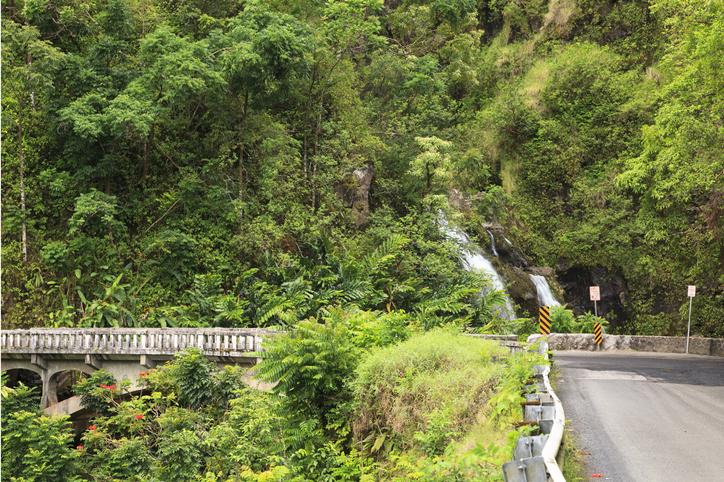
x: 242, y: 163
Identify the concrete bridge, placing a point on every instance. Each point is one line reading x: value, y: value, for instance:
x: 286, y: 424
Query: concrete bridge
x: 53, y: 354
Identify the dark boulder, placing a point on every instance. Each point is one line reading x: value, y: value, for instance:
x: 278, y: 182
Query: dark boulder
x: 354, y: 191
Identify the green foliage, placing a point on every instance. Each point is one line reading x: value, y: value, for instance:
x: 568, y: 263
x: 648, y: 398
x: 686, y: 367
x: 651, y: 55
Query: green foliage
x: 196, y: 164
x: 18, y: 399
x: 191, y: 370
x: 433, y: 163
x: 95, y: 392
x: 429, y: 408
x: 311, y: 366
x: 505, y: 404
x: 167, y: 143
x: 37, y: 447
x: 587, y: 322
x: 194, y: 382
x: 564, y: 321
x: 250, y: 437
x: 179, y: 456
x: 422, y: 392
x: 254, y: 435
x: 129, y: 459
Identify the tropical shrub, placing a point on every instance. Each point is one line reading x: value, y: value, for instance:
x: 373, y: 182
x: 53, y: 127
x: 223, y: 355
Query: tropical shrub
x: 311, y: 366
x: 36, y: 447
x: 96, y: 391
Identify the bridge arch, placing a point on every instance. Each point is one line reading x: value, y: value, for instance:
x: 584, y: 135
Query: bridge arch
x: 9, y: 365
x: 61, y: 382
x: 76, y: 367
x: 26, y: 376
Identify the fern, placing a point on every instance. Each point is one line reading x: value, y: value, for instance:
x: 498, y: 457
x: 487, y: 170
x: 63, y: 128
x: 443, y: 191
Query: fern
x: 385, y: 252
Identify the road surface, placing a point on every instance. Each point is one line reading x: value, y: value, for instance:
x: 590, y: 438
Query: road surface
x: 645, y: 417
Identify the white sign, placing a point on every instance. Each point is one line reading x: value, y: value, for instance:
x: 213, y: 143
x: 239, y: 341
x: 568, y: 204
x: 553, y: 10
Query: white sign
x: 692, y: 291
x: 595, y: 293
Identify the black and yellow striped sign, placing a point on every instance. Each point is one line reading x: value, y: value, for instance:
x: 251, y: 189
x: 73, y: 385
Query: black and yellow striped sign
x: 598, y: 333
x: 544, y: 320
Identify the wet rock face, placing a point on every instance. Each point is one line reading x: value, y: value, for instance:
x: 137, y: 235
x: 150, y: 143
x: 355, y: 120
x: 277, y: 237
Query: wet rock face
x: 507, y: 252
x: 459, y: 201
x: 576, y: 280
x: 354, y: 191
x: 522, y: 290
x: 513, y: 266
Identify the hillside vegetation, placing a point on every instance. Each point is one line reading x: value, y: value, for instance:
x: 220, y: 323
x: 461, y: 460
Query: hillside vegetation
x: 440, y: 406
x: 289, y: 163
x: 207, y: 163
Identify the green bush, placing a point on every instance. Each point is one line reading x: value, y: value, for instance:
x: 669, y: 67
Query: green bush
x: 129, y: 459
x: 564, y: 321
x: 311, y: 366
x: 586, y: 322
x: 38, y: 448
x: 192, y: 373
x: 96, y: 391
x: 19, y: 399
x: 179, y: 456
x: 658, y: 324
x: 250, y: 436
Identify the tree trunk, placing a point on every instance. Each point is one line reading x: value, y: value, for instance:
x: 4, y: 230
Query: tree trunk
x: 21, y: 158
x: 315, y: 163
x: 308, y: 126
x: 145, y: 158
x: 242, y: 123
x: 241, y: 170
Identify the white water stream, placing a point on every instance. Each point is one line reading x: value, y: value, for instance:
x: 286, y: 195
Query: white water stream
x: 475, y: 261
x: 492, y: 243
x: 545, y: 296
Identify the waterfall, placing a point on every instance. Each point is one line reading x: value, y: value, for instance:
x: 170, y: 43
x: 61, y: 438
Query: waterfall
x: 545, y: 296
x: 492, y: 243
x: 475, y: 261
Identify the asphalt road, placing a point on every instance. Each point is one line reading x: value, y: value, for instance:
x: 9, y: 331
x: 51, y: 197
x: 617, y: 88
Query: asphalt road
x: 645, y: 417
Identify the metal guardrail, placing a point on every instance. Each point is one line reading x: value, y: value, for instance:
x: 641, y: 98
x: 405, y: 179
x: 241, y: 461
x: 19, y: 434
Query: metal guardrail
x: 509, y: 341
x: 535, y: 457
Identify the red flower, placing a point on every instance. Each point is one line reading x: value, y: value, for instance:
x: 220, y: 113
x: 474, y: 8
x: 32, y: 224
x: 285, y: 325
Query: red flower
x: 104, y: 386
x: 111, y: 387
x: 92, y: 428
x: 80, y: 447
x: 139, y: 416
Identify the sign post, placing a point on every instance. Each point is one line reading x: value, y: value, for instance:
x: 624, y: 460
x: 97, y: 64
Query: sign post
x: 691, y: 292
x: 598, y: 334
x: 595, y: 293
x: 544, y: 320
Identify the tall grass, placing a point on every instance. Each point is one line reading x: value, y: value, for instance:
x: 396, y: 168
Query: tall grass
x: 440, y: 406
x: 424, y: 392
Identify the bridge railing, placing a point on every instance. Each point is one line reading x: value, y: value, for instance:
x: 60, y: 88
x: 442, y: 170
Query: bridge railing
x: 150, y: 341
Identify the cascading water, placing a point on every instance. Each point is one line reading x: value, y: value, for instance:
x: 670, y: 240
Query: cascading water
x: 545, y: 296
x: 475, y: 261
x: 492, y: 243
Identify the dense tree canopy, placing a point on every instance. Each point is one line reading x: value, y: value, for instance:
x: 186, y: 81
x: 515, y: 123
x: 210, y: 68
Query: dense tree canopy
x: 287, y: 164
x: 185, y: 163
